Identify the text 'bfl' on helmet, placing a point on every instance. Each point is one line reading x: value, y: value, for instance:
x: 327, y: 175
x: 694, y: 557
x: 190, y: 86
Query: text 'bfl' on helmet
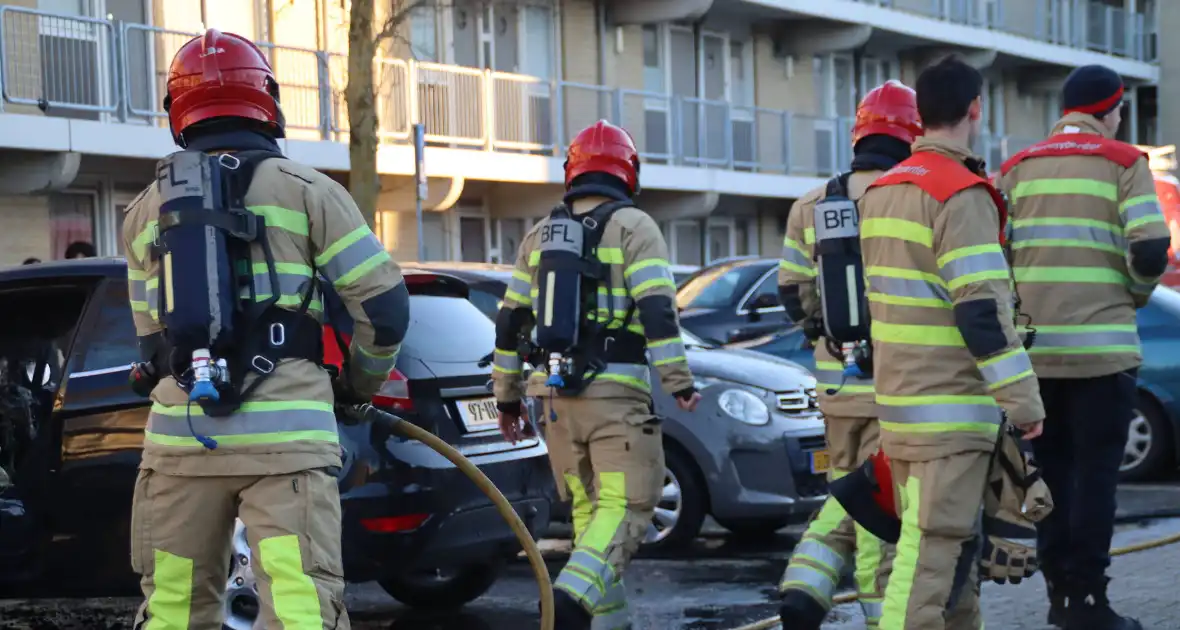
x: 218, y: 75
x: 890, y: 109
x: 603, y: 148
x: 866, y: 494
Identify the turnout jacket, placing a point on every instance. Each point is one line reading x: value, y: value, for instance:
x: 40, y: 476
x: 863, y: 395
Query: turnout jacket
x: 799, y: 295
x: 1089, y: 245
x: 946, y: 354
x: 633, y: 248
x: 288, y: 423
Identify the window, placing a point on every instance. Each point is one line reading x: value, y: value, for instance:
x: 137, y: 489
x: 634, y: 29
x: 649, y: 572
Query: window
x: 112, y: 341
x: 768, y: 287
x: 486, y: 296
x: 741, y: 81
x: 687, y: 238
x: 538, y: 42
x: 742, y: 237
x: 71, y: 220
x: 821, y: 72
x: 471, y: 239
x: 424, y: 34
x: 719, y: 287
x: 654, y: 79
x: 434, y: 320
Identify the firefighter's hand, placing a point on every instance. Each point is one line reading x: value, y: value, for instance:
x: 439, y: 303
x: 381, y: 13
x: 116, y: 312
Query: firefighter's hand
x: 1034, y: 430
x: 513, y: 427
x: 689, y: 403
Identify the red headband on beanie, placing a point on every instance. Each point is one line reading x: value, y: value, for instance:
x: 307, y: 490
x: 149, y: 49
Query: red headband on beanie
x: 1101, y: 107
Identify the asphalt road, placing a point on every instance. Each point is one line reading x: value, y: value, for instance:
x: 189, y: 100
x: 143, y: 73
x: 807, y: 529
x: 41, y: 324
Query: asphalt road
x: 720, y: 583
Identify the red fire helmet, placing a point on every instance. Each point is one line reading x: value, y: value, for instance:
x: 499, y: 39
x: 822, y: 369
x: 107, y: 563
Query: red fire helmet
x: 889, y: 109
x: 603, y: 148
x: 867, y: 495
x: 217, y: 75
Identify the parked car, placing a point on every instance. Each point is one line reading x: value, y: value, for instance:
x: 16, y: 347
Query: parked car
x: 752, y: 455
x: 1154, y: 439
x: 412, y: 522
x: 680, y: 273
x: 731, y: 301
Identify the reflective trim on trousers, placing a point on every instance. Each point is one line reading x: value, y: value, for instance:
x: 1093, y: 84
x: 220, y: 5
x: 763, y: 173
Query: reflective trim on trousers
x: 585, y: 577
x: 937, y: 413
x: 350, y: 258
x: 296, y: 603
x: 812, y: 580
x: 1033, y: 232
x: 665, y: 351
x: 1086, y: 339
x: 872, y: 611
x: 506, y: 361
x: 171, y: 602
x: 613, y: 612
x: 1006, y: 368
x: 819, y: 553
x: 905, y: 564
x: 381, y: 364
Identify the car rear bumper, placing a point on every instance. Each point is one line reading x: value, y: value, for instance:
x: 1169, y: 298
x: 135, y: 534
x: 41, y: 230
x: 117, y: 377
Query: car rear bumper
x: 463, y: 525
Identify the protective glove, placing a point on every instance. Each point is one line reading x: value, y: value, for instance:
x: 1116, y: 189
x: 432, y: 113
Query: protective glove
x: 1004, y: 561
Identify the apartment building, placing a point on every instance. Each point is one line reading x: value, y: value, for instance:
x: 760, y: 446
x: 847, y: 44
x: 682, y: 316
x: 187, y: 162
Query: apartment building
x: 738, y: 106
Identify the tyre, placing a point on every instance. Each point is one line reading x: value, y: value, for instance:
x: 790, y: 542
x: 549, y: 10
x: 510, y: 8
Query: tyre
x: 682, y: 505
x: 1148, y: 449
x: 754, y: 528
x: 443, y: 589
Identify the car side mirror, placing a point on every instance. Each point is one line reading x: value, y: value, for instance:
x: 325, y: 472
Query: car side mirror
x: 763, y: 301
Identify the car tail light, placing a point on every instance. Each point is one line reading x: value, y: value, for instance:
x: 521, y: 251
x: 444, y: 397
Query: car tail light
x: 394, y: 524
x: 420, y: 278
x: 394, y: 393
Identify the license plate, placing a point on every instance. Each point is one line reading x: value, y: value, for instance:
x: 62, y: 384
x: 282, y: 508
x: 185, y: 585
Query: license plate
x: 820, y: 462
x: 479, y: 414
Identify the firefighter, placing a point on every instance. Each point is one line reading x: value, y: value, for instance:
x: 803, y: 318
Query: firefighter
x: 886, y: 124
x: 1090, y: 244
x: 598, y: 251
x: 271, y: 460
x: 950, y: 363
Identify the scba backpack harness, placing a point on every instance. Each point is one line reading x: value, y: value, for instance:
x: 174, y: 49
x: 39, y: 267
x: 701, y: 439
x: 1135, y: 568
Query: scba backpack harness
x: 217, y: 326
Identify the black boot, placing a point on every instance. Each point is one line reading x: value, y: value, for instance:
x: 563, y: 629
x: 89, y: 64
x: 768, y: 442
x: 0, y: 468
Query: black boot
x: 568, y: 613
x: 1057, y: 590
x: 1089, y: 609
x: 800, y: 612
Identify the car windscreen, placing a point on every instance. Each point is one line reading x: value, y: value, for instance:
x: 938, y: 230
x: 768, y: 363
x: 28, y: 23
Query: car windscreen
x: 718, y: 288
x: 447, y: 329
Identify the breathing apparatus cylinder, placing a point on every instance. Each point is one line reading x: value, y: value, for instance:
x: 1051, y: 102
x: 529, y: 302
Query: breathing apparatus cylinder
x: 197, y: 295
x: 840, y: 270
x: 559, y: 283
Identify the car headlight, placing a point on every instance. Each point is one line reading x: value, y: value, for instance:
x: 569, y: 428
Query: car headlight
x: 744, y: 406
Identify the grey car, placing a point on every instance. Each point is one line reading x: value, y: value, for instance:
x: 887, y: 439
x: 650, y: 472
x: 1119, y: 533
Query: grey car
x: 752, y: 455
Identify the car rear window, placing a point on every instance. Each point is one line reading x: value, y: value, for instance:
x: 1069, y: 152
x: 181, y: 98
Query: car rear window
x: 718, y: 288
x: 447, y: 330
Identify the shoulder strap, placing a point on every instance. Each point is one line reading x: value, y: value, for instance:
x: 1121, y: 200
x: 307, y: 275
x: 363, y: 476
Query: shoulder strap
x: 595, y: 221
x: 838, y: 185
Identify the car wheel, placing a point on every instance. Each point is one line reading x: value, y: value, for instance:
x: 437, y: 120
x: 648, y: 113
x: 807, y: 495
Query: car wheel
x: 443, y: 589
x: 756, y: 528
x: 1147, y: 449
x: 681, y: 508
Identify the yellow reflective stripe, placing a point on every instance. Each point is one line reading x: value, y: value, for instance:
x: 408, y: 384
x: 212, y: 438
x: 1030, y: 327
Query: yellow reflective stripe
x: 643, y: 264
x: 1093, y: 275
x: 1072, y: 221
x: 905, y: 274
x: 962, y: 252
x: 246, y: 439
x: 137, y: 274
x: 793, y: 244
x: 905, y: 563
x: 278, y: 217
x: 978, y: 276
x: 146, y: 237
x: 293, y: 268
x: 610, y: 255
x: 1006, y: 368
x: 340, y: 245
x: 247, y: 407
x: 986, y: 428
x: 897, y: 228
x: 1067, y: 242
x: 917, y: 335
x: 1134, y: 201
x: 936, y: 399
x: 623, y: 379
x: 902, y: 300
x: 609, y: 513
x: 1141, y: 221
x: 1066, y: 186
x: 581, y: 506
x: 809, y: 235
x: 799, y: 269
x: 170, y: 605
x: 296, y: 603
x: 520, y: 275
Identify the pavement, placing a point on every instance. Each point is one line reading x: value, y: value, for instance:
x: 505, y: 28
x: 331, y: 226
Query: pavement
x: 718, y: 584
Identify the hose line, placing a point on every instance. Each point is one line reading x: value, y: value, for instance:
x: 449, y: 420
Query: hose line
x: 846, y: 598
x: 400, y: 427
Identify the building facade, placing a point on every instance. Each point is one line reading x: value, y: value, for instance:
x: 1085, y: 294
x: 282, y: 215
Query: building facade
x: 738, y: 106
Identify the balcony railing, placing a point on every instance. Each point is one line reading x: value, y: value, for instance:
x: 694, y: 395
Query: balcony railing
x: 116, y: 72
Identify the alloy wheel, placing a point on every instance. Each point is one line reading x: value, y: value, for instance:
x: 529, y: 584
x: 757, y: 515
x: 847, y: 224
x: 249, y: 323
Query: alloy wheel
x: 1139, y: 439
x: 667, y: 512
x: 241, y: 601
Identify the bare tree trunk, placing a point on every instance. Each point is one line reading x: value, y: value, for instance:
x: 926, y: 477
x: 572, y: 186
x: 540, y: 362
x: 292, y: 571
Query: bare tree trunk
x: 363, y: 180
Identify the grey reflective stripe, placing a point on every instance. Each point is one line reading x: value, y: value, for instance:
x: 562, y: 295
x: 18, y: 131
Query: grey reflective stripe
x: 973, y: 263
x: 152, y: 298
x: 290, y: 284
x: 833, y: 378
x: 613, y: 303
x: 1141, y: 210
x: 667, y: 352
x: 1142, y: 288
x: 901, y: 287
x: 872, y: 610
x: 940, y: 413
x: 1010, y: 366
x: 242, y: 423
x: 647, y: 273
x: 814, y: 580
x: 821, y: 554
x: 585, y: 577
x: 1068, y: 232
x: 796, y: 257
x: 137, y: 290
x: 519, y: 286
x: 627, y: 371
x: 1084, y: 339
x: 372, y: 364
x: 506, y: 361
x: 612, y: 612
x: 352, y: 257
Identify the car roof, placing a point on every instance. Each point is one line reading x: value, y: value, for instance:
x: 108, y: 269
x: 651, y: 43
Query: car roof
x: 110, y: 266
x: 464, y: 271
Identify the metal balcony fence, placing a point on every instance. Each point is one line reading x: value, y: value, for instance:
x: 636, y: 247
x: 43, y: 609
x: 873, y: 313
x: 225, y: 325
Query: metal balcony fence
x: 116, y: 72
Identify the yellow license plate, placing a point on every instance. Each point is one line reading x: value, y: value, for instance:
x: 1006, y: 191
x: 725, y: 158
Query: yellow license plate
x: 820, y: 462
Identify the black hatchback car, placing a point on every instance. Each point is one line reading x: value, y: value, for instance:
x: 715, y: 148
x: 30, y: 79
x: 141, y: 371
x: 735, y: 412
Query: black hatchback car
x: 732, y: 301
x: 412, y: 521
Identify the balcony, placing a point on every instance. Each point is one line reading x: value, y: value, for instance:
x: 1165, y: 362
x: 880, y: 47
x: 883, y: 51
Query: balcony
x: 93, y: 69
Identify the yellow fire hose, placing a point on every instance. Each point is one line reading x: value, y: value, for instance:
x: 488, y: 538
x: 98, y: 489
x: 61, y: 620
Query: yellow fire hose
x: 406, y: 429
x: 774, y: 622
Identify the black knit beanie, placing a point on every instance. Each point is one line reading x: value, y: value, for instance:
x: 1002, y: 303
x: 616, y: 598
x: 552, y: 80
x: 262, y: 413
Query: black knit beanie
x: 1095, y: 90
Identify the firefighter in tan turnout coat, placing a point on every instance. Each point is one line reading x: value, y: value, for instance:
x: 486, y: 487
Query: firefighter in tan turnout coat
x: 886, y: 124
x: 948, y: 361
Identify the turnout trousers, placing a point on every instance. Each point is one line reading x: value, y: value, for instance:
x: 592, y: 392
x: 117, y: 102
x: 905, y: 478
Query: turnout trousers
x: 608, y: 459
x: 1086, y: 426
x: 833, y: 539
x: 934, y: 584
x: 181, y: 529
